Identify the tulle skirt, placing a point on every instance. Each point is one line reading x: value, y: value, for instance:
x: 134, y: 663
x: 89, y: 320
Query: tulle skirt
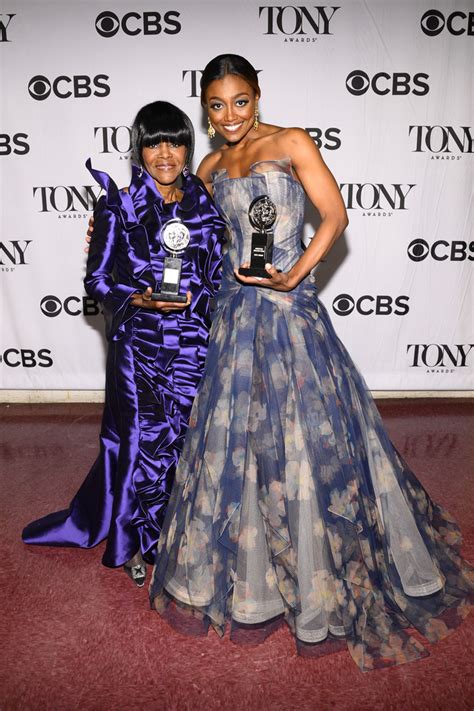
x: 291, y: 503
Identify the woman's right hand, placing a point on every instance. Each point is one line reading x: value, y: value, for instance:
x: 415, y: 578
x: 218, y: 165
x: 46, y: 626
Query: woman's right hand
x: 89, y: 233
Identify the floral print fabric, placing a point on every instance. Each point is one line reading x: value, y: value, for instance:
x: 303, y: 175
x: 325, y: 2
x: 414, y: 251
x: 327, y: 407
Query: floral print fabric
x: 290, y: 501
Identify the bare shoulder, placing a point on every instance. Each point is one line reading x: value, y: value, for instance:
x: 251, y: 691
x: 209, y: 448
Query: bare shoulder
x: 298, y: 145
x: 296, y: 138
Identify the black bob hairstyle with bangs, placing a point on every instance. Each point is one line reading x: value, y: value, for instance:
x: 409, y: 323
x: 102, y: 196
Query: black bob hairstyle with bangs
x: 225, y: 64
x: 161, y: 122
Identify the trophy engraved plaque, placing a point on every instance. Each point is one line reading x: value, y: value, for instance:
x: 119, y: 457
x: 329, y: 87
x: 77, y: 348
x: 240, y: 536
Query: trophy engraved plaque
x: 262, y: 216
x: 175, y: 238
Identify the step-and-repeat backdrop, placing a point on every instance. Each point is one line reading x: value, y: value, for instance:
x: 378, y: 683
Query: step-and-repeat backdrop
x: 384, y: 89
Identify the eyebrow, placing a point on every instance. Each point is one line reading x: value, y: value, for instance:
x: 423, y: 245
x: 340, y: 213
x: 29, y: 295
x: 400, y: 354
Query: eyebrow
x: 242, y: 93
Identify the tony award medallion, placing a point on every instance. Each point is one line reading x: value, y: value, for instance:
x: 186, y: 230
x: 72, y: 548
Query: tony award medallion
x: 262, y: 216
x: 175, y: 238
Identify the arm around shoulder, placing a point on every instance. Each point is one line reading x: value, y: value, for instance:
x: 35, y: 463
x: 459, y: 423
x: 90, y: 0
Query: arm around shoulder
x: 206, y: 168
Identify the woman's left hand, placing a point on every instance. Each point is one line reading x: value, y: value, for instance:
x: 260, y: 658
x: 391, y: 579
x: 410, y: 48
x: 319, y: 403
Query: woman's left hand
x: 144, y: 301
x: 279, y: 281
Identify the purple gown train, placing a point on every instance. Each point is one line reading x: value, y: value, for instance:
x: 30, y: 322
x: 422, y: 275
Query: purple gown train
x: 154, y: 365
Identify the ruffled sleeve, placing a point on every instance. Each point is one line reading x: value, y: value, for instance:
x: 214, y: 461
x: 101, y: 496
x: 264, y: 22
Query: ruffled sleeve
x: 99, y: 281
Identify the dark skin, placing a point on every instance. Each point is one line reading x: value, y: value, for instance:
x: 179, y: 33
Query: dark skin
x: 165, y: 163
x: 144, y: 301
x: 231, y: 104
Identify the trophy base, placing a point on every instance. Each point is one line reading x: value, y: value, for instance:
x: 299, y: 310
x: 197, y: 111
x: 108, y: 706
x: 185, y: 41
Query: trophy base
x: 170, y: 298
x: 255, y: 272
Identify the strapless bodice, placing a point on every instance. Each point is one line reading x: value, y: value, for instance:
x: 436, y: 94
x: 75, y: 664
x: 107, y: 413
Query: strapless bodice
x: 233, y: 197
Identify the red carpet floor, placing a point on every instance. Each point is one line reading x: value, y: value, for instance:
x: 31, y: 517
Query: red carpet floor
x: 76, y: 635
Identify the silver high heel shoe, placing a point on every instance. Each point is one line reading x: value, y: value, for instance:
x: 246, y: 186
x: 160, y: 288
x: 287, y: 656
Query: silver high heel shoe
x: 136, y: 570
x: 137, y: 573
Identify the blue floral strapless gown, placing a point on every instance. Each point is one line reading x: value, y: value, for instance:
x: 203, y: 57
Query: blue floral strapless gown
x: 290, y: 502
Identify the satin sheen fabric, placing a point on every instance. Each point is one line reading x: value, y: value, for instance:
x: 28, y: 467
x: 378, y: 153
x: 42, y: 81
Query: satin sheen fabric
x: 154, y: 365
x: 290, y: 502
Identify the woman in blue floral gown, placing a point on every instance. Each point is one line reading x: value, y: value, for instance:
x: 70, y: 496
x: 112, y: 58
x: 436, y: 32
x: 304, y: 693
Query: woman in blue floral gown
x: 290, y: 501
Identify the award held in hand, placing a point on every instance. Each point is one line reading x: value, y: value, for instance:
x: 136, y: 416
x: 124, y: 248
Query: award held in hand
x: 175, y: 238
x: 262, y: 216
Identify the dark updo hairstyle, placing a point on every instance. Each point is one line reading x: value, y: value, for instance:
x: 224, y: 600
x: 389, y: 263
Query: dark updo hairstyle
x: 161, y: 122
x: 225, y: 64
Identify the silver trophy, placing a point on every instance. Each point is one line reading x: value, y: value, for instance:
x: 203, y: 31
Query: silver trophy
x: 262, y: 216
x: 175, y: 238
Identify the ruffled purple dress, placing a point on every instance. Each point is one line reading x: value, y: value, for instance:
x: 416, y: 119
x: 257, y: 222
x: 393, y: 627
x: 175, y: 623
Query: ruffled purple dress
x: 154, y: 365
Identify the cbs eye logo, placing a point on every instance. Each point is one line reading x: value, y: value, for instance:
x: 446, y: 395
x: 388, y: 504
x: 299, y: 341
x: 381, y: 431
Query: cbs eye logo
x: 343, y: 304
x: 51, y: 305
x: 39, y: 88
x: 358, y: 83
x: 63, y: 87
x: 418, y: 250
x: 433, y: 23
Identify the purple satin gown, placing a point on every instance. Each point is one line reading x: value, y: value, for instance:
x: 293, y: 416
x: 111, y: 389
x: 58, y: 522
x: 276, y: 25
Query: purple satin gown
x: 154, y: 365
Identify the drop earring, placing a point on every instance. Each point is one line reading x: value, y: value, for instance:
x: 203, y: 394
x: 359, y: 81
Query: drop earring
x: 186, y: 171
x: 140, y: 172
x: 256, y: 122
x: 211, y: 131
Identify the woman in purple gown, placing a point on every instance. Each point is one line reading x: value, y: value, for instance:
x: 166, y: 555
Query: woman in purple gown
x: 156, y: 349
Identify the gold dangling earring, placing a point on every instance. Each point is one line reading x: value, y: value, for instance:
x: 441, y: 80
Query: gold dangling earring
x: 211, y: 131
x: 256, y: 122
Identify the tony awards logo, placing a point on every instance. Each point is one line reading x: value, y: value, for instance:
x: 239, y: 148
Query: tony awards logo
x: 262, y: 216
x: 175, y: 238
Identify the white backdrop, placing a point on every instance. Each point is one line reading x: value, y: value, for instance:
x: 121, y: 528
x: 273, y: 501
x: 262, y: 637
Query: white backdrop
x: 383, y: 87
